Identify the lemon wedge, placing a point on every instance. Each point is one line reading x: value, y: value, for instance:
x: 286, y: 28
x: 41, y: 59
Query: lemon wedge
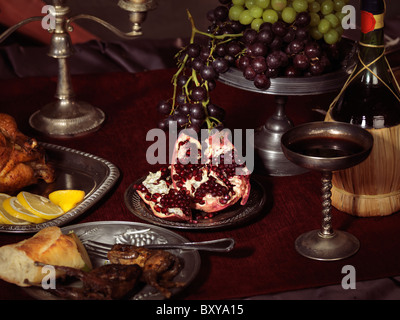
x: 13, y: 207
x: 39, y: 205
x: 67, y: 199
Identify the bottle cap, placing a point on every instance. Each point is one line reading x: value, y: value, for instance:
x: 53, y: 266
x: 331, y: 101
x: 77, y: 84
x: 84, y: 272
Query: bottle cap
x: 373, y: 6
x: 372, y: 15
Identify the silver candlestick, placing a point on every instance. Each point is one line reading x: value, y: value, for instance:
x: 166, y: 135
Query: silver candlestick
x: 67, y: 117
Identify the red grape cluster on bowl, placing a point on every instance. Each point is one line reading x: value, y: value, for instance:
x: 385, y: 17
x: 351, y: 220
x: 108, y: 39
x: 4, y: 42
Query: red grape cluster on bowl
x: 262, y: 38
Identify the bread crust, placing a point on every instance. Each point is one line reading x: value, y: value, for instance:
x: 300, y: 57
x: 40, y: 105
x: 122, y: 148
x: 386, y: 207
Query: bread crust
x: 48, y: 246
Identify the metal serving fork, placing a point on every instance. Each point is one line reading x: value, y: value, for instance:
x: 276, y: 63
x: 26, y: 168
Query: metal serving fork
x: 100, y: 249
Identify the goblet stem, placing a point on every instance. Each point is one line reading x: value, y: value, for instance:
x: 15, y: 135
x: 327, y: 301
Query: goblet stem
x: 326, y: 244
x: 326, y: 204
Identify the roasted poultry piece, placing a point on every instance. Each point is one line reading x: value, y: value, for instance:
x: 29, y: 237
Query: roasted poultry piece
x: 110, y: 281
x: 159, y: 266
x: 129, y: 266
x: 22, y: 160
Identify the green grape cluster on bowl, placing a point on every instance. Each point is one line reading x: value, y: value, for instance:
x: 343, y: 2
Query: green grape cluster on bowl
x: 325, y: 15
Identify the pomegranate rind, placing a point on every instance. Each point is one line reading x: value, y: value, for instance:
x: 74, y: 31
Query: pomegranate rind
x: 171, y: 214
x: 213, y: 204
x: 176, y: 216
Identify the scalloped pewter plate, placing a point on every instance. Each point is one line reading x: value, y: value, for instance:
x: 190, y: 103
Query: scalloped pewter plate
x: 74, y: 170
x: 133, y: 233
x: 228, y: 217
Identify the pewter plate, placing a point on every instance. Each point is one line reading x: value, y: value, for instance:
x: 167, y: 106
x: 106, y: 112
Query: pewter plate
x: 136, y: 234
x: 74, y: 170
x: 234, y: 215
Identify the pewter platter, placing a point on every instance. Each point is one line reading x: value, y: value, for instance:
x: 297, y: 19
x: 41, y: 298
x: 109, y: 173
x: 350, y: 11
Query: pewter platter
x: 234, y: 215
x: 136, y: 234
x: 74, y: 170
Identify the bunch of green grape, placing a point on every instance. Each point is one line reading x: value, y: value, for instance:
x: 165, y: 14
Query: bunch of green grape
x: 326, y: 15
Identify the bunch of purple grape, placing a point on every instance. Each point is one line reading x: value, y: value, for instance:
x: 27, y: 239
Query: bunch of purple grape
x: 191, y: 106
x: 199, y: 66
x: 282, y: 49
x: 275, y: 49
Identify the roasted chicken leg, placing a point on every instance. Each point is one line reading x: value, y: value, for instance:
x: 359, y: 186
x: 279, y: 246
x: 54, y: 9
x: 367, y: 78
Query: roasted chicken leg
x: 22, y: 160
x: 159, y: 266
x: 110, y: 281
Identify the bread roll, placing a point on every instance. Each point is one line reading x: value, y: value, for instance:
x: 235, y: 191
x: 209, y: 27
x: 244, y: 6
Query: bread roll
x: 49, y: 246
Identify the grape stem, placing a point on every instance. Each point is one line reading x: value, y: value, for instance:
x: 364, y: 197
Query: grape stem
x: 209, y: 120
x: 213, y: 36
x: 193, y: 77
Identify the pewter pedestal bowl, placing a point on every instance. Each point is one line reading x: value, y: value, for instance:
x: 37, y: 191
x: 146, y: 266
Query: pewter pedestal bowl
x: 267, y: 138
x: 326, y: 147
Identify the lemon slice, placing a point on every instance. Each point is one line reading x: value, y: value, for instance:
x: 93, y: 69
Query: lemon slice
x: 3, y: 196
x: 39, y: 205
x: 67, y: 199
x: 5, y: 217
x: 17, y: 210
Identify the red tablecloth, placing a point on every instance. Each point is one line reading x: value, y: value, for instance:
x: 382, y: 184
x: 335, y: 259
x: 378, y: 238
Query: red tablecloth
x: 264, y: 260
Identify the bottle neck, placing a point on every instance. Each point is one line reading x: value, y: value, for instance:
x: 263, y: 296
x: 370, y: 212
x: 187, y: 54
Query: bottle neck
x: 372, y: 41
x: 372, y: 24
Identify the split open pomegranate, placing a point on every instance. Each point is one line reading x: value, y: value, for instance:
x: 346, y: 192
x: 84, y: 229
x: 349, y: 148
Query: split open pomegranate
x: 211, y: 174
x: 208, y: 177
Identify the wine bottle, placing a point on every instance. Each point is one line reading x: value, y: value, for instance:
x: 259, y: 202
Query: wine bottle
x: 370, y: 99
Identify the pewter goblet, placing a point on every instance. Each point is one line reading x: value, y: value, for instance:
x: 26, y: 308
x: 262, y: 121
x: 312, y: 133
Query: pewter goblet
x: 327, y: 147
